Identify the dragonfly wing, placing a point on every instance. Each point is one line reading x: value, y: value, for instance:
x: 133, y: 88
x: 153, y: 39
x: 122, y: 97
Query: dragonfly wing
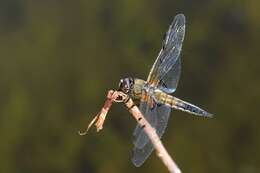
x: 143, y: 146
x: 166, y: 69
x: 140, y: 155
x: 140, y: 137
x: 170, y: 81
x: 164, y: 75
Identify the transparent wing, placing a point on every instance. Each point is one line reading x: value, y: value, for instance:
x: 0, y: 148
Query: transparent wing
x: 166, y: 69
x: 165, y: 75
x: 140, y: 137
x: 170, y: 81
x: 143, y: 146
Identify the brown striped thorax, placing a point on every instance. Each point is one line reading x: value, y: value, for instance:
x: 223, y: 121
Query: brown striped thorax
x: 136, y: 88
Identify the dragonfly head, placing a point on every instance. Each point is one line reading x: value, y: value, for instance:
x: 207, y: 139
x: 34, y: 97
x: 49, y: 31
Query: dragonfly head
x: 126, y: 84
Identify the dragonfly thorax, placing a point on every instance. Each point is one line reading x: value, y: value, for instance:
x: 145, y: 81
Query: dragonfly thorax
x: 149, y: 89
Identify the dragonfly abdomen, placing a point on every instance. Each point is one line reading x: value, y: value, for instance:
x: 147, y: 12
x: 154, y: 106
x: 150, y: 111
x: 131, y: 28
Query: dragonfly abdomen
x: 179, y: 104
x: 190, y: 108
x: 165, y: 99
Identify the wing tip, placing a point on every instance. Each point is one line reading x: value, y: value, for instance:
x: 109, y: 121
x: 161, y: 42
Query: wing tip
x: 180, y: 16
x: 137, y: 163
x: 209, y: 115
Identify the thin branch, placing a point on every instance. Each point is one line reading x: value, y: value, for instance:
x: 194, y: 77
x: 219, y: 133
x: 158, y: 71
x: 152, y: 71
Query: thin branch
x: 117, y: 96
x: 151, y: 133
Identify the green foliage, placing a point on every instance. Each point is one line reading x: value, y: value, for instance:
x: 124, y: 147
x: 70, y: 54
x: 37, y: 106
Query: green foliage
x: 58, y: 59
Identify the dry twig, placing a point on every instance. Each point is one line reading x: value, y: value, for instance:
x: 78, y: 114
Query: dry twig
x: 117, y: 96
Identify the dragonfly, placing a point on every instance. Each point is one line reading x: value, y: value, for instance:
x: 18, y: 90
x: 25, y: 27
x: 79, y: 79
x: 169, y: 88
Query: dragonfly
x: 154, y: 94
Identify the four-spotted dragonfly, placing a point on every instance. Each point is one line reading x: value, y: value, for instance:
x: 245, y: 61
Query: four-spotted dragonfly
x: 154, y: 93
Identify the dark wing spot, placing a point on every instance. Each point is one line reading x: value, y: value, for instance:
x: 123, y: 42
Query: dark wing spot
x: 163, y: 84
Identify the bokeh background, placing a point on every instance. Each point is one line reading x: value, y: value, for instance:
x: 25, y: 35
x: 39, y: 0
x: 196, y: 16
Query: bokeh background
x: 59, y: 58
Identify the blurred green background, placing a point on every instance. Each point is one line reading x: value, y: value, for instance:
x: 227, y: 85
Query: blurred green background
x: 59, y: 58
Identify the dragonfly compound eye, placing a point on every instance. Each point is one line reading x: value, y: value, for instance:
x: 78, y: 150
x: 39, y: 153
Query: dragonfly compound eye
x: 124, y: 85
